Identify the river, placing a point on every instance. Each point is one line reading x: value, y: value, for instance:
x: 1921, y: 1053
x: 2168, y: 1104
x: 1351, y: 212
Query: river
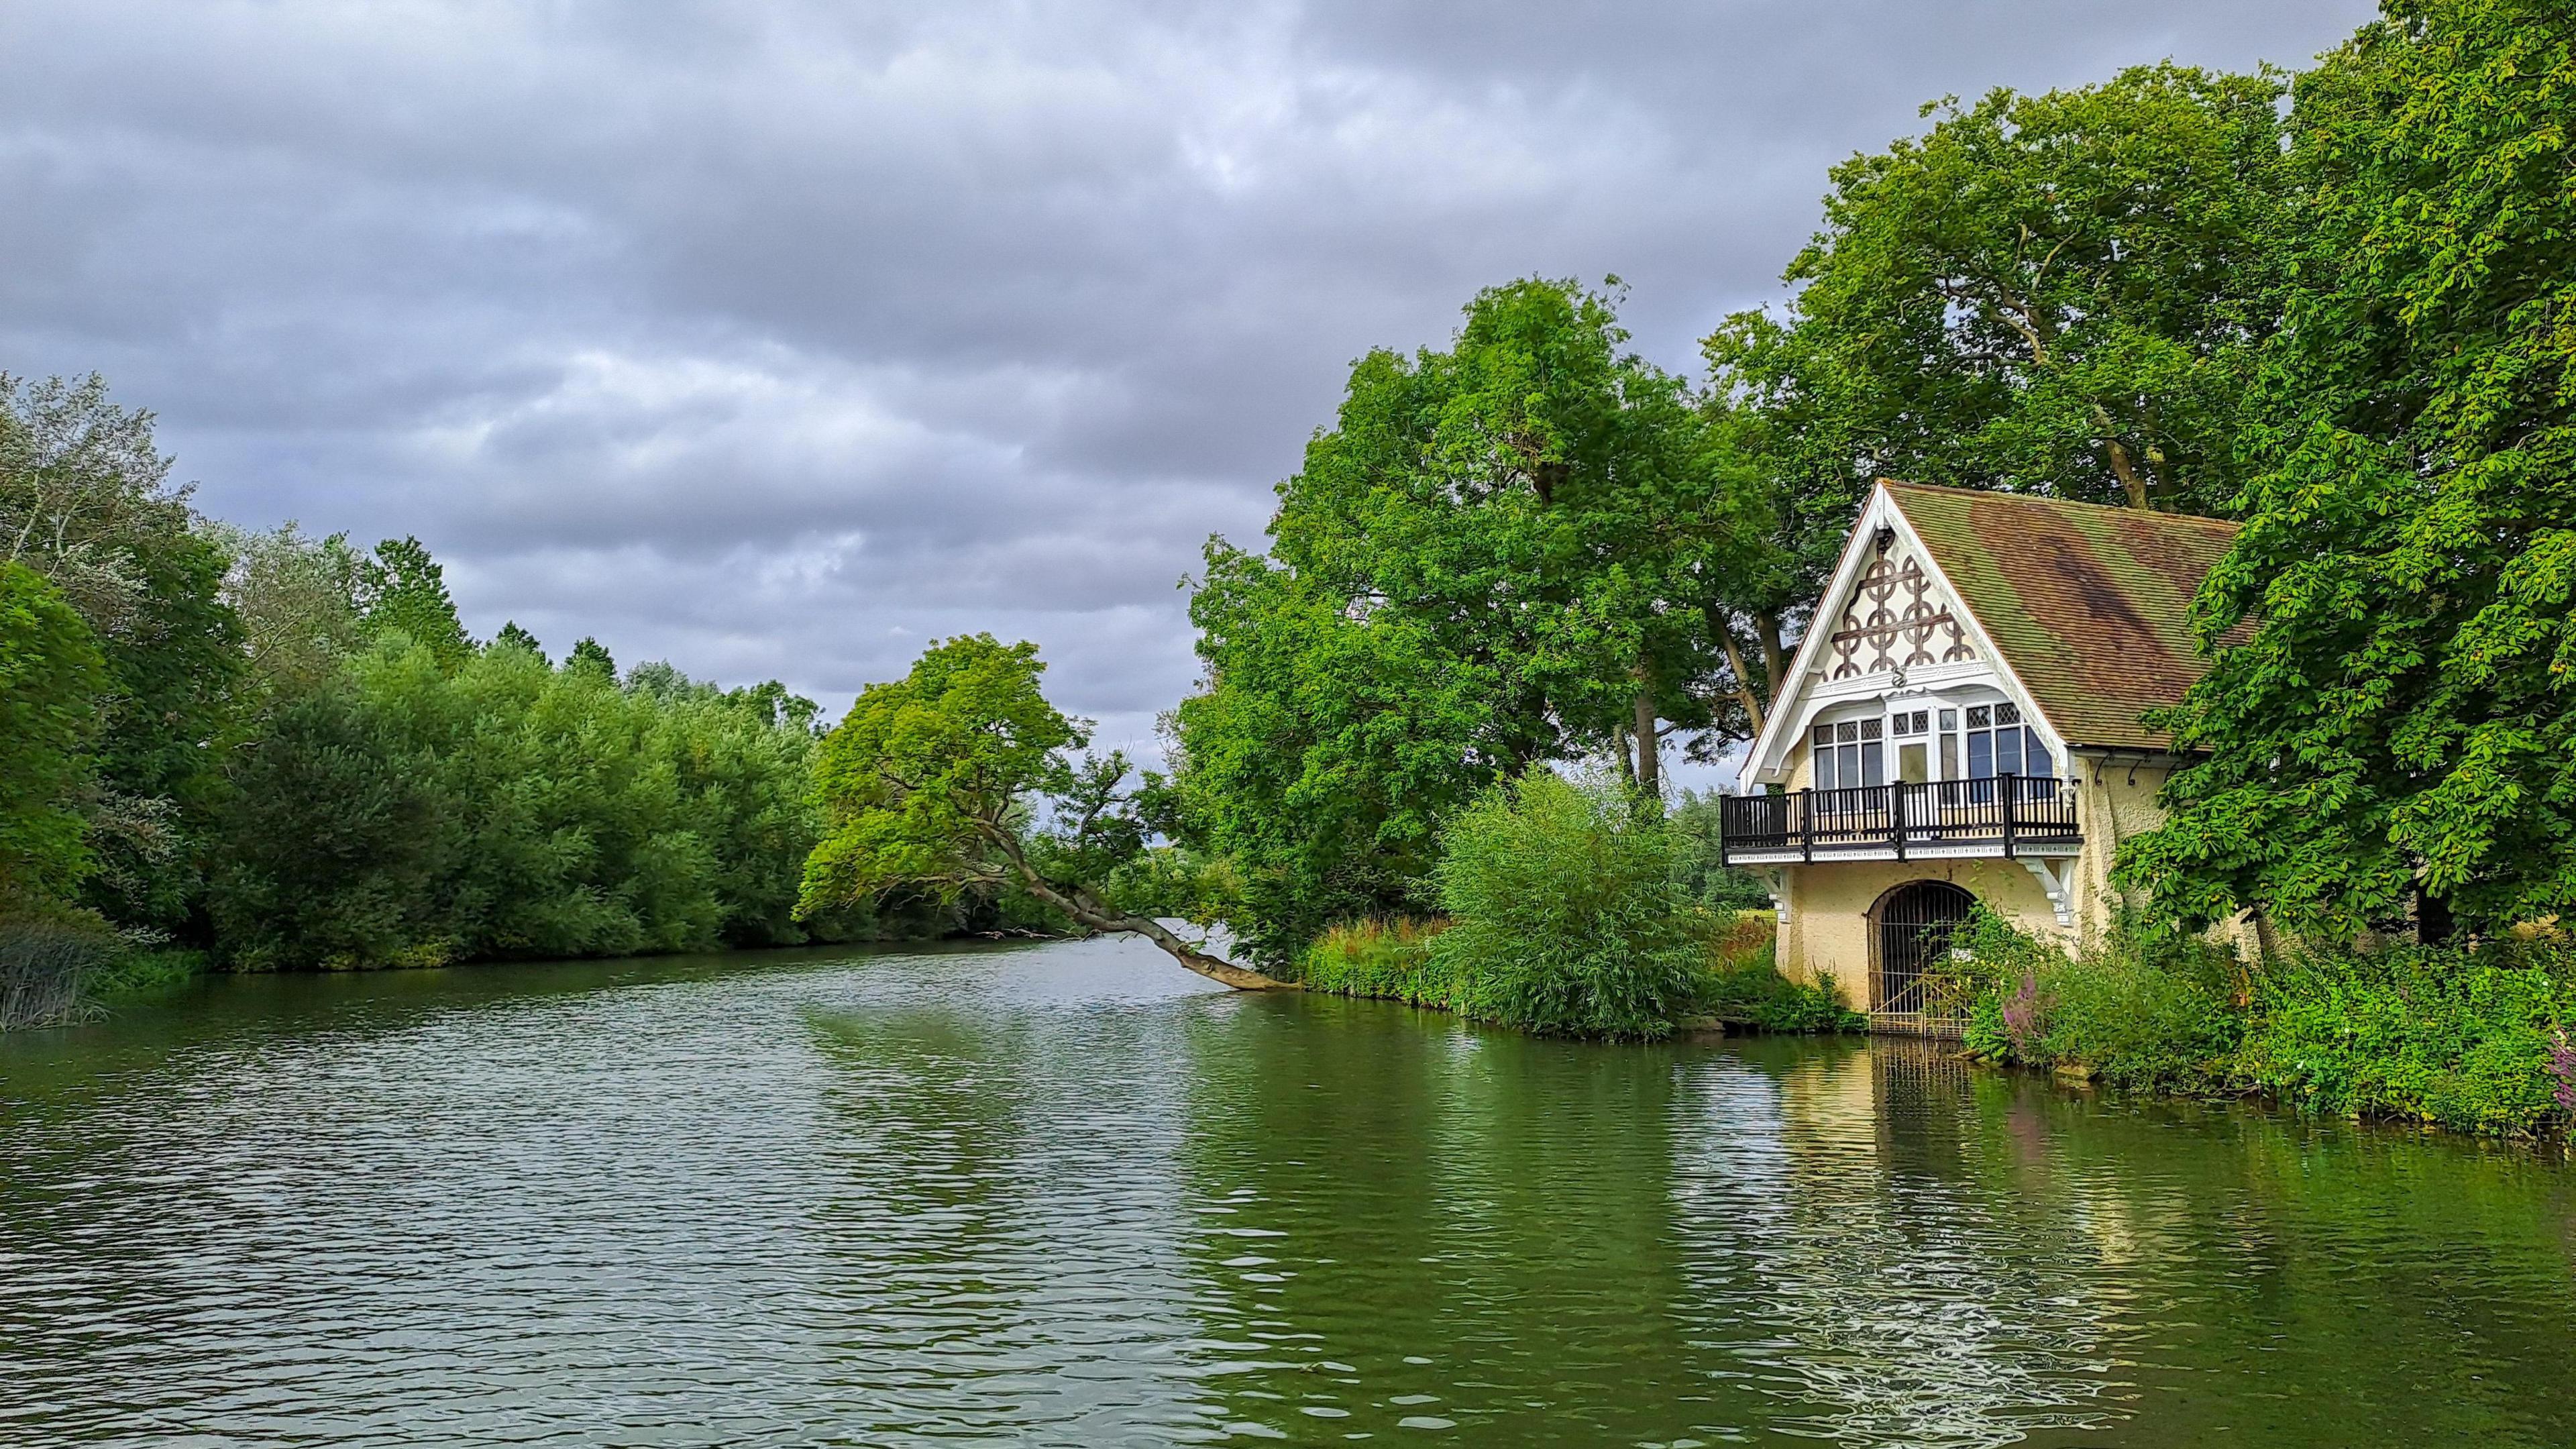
x: 1065, y: 1194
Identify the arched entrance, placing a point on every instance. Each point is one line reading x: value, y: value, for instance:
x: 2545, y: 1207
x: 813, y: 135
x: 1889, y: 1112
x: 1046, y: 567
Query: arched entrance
x: 1910, y: 930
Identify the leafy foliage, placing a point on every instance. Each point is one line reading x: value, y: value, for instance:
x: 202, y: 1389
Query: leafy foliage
x: 930, y: 784
x: 1502, y: 554
x: 401, y: 589
x: 2401, y: 709
x: 1563, y: 917
x: 2053, y: 293
x: 404, y: 814
x: 2472, y: 1039
x: 50, y: 678
x: 85, y: 501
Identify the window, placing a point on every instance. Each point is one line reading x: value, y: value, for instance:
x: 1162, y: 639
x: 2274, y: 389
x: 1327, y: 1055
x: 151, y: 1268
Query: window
x: 1913, y: 753
x: 1998, y: 744
x: 1850, y: 753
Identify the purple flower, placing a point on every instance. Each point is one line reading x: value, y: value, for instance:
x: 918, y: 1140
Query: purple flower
x: 2021, y: 1014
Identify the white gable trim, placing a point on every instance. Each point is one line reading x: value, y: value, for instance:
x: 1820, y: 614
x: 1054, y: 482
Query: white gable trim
x: 1786, y: 724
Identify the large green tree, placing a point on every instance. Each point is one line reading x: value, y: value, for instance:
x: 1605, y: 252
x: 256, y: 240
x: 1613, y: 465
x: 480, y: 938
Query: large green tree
x: 2393, y: 703
x: 1509, y: 551
x: 2052, y: 293
x: 933, y: 782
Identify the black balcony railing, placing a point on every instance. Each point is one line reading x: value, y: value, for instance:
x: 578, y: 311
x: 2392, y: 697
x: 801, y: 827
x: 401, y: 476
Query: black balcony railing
x: 2008, y: 811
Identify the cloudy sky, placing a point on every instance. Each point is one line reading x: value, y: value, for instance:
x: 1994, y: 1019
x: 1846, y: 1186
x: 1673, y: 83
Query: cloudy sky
x: 777, y: 338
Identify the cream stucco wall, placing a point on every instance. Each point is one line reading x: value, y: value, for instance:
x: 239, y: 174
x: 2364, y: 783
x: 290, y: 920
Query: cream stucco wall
x: 1829, y: 903
x: 1828, y: 930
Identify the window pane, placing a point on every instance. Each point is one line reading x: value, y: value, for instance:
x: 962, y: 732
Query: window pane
x: 1949, y: 755
x: 1949, y: 719
x: 2007, y: 752
x: 1873, y: 769
x: 1847, y: 732
x: 1850, y: 771
x: 2008, y: 714
x: 1825, y: 768
x: 1824, y: 734
x: 1904, y: 724
x: 1911, y: 764
x: 2035, y: 756
x: 1870, y: 729
x: 1981, y: 754
x: 1980, y: 716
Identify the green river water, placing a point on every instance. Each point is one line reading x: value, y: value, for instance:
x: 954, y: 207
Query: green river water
x: 1066, y: 1194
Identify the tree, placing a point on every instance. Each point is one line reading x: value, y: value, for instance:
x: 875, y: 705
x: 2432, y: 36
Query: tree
x: 514, y: 637
x: 85, y: 501
x: 2392, y: 706
x: 929, y: 783
x: 297, y: 598
x: 1508, y: 552
x: 50, y: 677
x: 592, y: 656
x: 2055, y: 293
x: 400, y: 587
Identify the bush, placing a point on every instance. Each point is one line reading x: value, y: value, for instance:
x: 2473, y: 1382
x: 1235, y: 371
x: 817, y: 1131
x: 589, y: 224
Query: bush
x: 2470, y: 1038
x: 1563, y: 914
x: 2473, y: 1040
x: 1749, y: 991
x: 2140, y: 1010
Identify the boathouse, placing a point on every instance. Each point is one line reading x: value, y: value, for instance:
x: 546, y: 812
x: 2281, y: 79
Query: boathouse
x: 1962, y: 725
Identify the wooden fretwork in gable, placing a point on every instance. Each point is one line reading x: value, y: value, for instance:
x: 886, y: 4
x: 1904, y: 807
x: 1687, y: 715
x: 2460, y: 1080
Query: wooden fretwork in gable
x: 1896, y: 621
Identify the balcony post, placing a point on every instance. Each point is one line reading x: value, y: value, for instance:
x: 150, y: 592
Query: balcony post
x: 2008, y: 784
x: 1896, y: 815
x: 1805, y: 801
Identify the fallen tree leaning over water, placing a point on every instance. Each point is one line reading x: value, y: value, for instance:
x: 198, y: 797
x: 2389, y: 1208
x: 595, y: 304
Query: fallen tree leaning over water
x: 933, y: 783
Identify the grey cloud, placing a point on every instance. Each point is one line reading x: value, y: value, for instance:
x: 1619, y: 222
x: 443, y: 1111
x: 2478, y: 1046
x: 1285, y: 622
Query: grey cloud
x: 778, y: 339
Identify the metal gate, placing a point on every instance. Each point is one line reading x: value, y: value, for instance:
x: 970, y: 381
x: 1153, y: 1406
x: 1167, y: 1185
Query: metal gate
x: 1913, y: 924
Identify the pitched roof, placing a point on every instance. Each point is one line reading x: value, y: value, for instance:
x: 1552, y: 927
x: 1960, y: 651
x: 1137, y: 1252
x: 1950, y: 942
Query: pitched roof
x: 2091, y: 606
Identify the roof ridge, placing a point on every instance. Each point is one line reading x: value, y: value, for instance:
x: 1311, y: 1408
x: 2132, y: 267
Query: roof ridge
x: 2048, y: 501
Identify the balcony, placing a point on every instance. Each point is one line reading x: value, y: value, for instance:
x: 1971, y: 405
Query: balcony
x: 2008, y: 817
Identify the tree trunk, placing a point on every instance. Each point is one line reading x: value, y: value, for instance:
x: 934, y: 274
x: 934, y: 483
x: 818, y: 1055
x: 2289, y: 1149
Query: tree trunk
x: 1078, y: 903
x: 1650, y: 766
x: 2131, y: 480
x: 1775, y: 660
x: 1743, y: 678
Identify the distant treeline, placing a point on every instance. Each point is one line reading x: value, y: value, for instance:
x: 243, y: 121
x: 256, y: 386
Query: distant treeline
x: 281, y: 751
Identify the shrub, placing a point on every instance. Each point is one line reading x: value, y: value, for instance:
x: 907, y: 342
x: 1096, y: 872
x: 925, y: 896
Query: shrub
x: 2470, y: 1039
x: 2139, y: 1009
x: 1563, y: 914
x: 1749, y: 991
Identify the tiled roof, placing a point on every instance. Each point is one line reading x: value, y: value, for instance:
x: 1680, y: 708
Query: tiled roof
x: 2091, y: 606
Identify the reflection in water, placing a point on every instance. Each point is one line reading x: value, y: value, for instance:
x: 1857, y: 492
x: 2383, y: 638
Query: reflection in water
x: 1063, y: 1195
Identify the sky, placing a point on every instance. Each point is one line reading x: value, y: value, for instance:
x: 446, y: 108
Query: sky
x: 779, y: 339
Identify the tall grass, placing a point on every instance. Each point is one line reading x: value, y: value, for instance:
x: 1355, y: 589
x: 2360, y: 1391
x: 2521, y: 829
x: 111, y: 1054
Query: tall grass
x: 44, y: 969
x: 1388, y: 958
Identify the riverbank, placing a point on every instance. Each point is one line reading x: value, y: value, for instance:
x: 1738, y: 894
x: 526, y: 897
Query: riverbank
x: 1734, y: 984
x: 2470, y: 1039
